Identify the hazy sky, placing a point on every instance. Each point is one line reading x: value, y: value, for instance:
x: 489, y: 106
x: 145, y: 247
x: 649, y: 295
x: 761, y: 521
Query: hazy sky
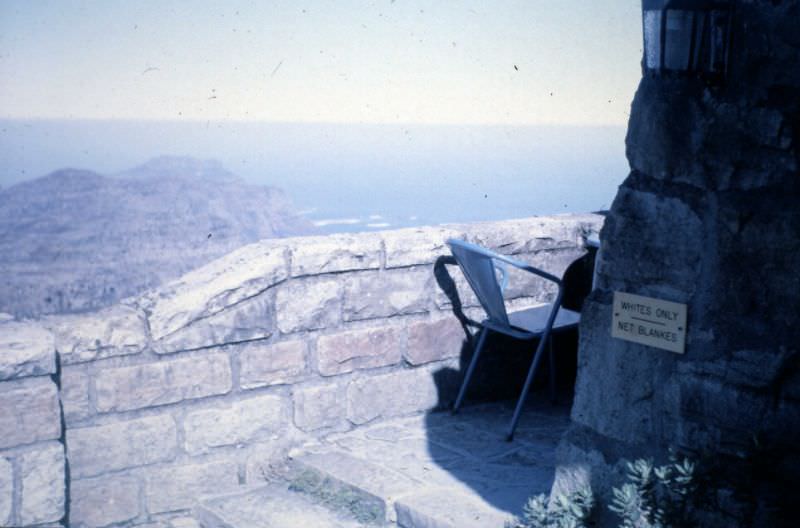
x: 383, y: 61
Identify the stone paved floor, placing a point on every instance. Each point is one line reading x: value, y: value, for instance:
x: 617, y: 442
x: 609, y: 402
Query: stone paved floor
x: 440, y: 470
x: 434, y: 470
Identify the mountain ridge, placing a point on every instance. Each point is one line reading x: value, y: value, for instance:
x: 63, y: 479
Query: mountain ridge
x: 76, y: 240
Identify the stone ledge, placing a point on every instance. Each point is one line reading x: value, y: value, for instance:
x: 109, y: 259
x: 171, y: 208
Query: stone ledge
x: 26, y: 349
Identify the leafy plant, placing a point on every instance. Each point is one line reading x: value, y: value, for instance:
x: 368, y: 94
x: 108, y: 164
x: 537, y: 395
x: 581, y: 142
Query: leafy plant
x: 652, y: 497
x: 566, y: 511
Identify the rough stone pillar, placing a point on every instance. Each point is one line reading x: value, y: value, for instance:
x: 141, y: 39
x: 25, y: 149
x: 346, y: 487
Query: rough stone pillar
x: 709, y: 216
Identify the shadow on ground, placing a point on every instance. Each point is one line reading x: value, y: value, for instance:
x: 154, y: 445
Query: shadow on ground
x: 471, y: 446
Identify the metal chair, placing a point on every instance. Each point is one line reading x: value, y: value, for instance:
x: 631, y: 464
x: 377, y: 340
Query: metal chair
x: 481, y: 268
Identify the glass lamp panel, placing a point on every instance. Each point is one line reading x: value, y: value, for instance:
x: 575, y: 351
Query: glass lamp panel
x: 678, y: 43
x: 652, y: 39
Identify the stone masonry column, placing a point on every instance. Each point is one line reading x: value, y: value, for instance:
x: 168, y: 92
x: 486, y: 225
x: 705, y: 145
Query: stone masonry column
x: 710, y: 217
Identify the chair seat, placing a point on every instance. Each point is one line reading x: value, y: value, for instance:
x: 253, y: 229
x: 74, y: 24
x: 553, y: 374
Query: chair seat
x: 534, y: 320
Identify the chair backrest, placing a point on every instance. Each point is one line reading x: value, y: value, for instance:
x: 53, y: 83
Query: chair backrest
x: 480, y: 269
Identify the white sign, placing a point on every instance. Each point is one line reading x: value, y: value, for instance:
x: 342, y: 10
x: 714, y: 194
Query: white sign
x: 648, y: 321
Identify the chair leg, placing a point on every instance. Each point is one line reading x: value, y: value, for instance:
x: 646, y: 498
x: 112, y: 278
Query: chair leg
x: 552, y: 358
x: 528, y: 381
x: 470, y: 369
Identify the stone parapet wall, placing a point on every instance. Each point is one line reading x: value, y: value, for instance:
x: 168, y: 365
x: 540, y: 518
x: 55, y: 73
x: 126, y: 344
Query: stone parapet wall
x: 195, y: 388
x: 32, y: 463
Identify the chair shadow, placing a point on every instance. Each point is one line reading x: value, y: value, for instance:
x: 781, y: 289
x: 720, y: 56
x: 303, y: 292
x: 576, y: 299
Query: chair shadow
x: 470, y: 446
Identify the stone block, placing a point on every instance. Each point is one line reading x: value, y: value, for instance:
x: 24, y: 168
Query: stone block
x: 29, y: 411
x: 220, y: 285
x: 75, y: 394
x: 392, y: 394
x: 318, y: 407
x: 26, y: 349
x: 358, y: 349
x: 308, y: 304
x: 43, y: 484
x: 248, y: 320
x: 434, y: 340
x: 416, y: 246
x: 176, y: 487
x: 446, y: 508
x: 234, y: 423
x: 104, y: 500
x: 262, y: 365
x: 162, y: 382
x: 103, y: 448
x: 6, y: 491
x: 115, y: 331
x: 374, y: 295
x: 534, y: 234
x: 335, y: 253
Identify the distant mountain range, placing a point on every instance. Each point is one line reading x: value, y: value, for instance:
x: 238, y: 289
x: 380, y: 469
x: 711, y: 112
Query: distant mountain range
x: 75, y: 240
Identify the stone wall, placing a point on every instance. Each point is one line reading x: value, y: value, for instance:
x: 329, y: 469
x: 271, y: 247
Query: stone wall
x: 195, y: 388
x: 32, y: 464
x: 707, y: 217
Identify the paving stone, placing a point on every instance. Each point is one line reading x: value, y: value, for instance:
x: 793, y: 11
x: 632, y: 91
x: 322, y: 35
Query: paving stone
x: 6, y: 490
x: 75, y: 394
x: 442, y: 508
x: 335, y: 253
x: 104, y: 500
x: 262, y: 365
x: 114, y: 331
x: 358, y: 349
x: 367, y: 481
x: 176, y: 487
x: 392, y: 394
x: 43, y: 484
x: 271, y: 507
x: 29, y: 411
x: 318, y: 407
x: 162, y: 382
x: 373, y: 295
x: 308, y: 304
x: 26, y: 349
x: 218, y: 286
x: 102, y: 448
x: 434, y: 340
x: 234, y: 423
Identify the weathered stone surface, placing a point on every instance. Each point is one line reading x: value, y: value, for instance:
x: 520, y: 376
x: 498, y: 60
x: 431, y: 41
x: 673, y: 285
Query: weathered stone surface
x: 271, y: 507
x: 308, y: 304
x: 104, y: 500
x: 115, y: 331
x: 75, y: 394
x: 169, y: 488
x: 217, y: 286
x: 26, y: 349
x: 434, y: 340
x: 102, y: 448
x: 43, y: 485
x: 318, y: 407
x: 421, y: 245
x: 444, y: 508
x: 332, y: 253
x: 249, y: 320
x: 262, y: 365
x: 548, y: 232
x: 136, y: 387
x: 29, y: 411
x: 235, y: 423
x: 359, y: 349
x: 392, y: 394
x: 373, y: 295
x: 6, y: 491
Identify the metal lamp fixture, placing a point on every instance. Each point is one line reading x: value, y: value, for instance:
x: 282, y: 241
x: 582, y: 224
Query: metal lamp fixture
x: 686, y: 37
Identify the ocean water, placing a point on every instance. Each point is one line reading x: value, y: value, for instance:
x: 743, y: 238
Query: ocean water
x: 347, y: 177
